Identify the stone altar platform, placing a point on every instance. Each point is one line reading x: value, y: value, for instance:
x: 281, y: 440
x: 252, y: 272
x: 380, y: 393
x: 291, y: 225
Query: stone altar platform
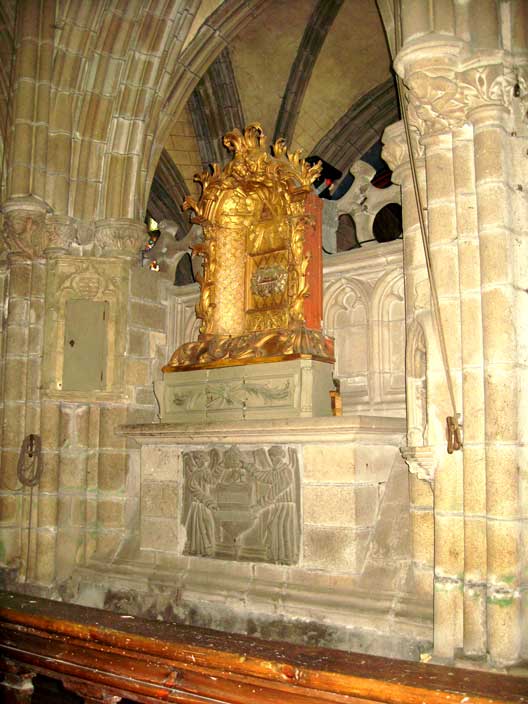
x: 295, y: 529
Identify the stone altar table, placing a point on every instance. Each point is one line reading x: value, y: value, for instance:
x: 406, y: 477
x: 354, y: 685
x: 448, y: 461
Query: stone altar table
x: 294, y: 526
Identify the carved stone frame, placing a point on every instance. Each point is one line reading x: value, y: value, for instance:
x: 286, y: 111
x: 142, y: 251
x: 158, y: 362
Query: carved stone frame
x: 85, y: 278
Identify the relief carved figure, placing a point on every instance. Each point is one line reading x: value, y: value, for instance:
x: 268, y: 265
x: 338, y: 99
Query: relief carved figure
x: 242, y: 505
x: 201, y: 476
x: 24, y: 227
x: 276, y: 523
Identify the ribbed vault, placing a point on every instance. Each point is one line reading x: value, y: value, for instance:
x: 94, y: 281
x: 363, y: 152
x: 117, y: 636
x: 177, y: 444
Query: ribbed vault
x: 119, y: 78
x: 313, y: 39
x: 122, y: 73
x: 316, y: 73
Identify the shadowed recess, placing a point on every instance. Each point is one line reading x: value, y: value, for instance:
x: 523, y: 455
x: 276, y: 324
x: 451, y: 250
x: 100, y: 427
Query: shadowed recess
x: 168, y: 193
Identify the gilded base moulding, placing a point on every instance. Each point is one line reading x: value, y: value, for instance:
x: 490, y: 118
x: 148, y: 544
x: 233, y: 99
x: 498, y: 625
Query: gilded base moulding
x: 211, y: 351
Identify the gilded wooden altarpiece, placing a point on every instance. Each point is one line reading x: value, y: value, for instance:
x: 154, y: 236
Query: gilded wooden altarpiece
x: 254, y: 288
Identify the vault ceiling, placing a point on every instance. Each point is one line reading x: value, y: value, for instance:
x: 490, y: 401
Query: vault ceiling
x: 316, y: 72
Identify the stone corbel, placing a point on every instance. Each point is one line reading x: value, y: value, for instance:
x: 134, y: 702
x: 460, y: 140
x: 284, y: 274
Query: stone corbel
x: 119, y: 237
x: 421, y: 461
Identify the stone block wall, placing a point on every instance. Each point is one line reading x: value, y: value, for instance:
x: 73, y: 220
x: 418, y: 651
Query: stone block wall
x: 340, y: 509
x: 341, y: 505
x: 88, y: 494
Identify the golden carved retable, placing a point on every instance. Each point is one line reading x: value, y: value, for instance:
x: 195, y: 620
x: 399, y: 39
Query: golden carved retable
x: 255, y: 295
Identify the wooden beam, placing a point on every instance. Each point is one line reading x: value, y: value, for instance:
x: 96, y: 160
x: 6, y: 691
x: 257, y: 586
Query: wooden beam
x: 109, y: 655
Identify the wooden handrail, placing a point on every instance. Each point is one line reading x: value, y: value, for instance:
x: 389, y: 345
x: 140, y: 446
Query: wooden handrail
x: 104, y: 656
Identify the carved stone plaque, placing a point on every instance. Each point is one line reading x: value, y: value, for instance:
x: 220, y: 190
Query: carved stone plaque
x: 242, y: 505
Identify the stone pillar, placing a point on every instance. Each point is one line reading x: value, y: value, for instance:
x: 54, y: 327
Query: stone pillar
x: 122, y: 238
x: 24, y: 236
x: 442, y: 234
x: 417, y: 306
x: 28, y: 141
x: 492, y: 163
x: 462, y: 101
x: 519, y: 194
x: 474, y: 473
x: 30, y: 236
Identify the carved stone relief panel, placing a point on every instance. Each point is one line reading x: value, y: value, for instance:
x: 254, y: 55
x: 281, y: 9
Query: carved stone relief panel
x: 242, y: 505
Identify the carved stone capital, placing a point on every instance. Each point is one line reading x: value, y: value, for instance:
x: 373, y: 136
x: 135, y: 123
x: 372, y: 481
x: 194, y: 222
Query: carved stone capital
x: 443, y: 85
x: 61, y: 235
x: 435, y: 103
x: 24, y: 231
x: 395, y: 151
x: 421, y: 461
x: 492, y: 85
x: 119, y: 237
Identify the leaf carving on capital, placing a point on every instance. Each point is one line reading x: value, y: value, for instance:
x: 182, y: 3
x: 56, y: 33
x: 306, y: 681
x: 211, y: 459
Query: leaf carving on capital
x: 489, y: 85
x: 120, y: 238
x: 438, y: 103
x: 522, y: 80
x: 60, y: 234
